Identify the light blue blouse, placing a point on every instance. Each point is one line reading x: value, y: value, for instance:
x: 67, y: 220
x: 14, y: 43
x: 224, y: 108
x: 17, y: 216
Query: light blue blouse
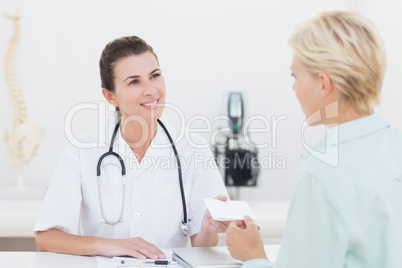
x: 348, y: 214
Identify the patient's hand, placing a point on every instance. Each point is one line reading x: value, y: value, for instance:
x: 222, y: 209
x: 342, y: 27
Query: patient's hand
x: 244, y: 240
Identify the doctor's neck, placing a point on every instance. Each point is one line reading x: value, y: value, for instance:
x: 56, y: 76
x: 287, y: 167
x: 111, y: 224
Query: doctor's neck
x: 138, y: 134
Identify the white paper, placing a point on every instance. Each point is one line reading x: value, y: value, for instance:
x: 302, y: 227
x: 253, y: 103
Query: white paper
x: 228, y: 210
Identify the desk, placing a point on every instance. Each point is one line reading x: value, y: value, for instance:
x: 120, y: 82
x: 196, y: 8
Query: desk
x: 44, y: 259
x: 51, y: 260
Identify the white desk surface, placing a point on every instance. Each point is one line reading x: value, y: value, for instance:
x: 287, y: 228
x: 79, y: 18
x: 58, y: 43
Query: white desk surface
x: 47, y: 259
x: 44, y: 259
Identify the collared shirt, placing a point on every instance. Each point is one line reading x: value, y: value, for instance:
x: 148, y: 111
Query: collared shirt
x: 152, y: 199
x: 347, y: 207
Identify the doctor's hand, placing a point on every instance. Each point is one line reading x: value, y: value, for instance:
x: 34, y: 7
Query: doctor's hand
x: 244, y: 241
x: 210, y: 225
x: 135, y: 247
x: 208, y: 235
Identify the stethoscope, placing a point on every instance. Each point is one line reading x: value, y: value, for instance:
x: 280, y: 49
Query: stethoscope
x: 183, y: 224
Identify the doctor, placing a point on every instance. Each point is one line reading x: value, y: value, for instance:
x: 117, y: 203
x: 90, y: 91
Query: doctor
x: 135, y: 199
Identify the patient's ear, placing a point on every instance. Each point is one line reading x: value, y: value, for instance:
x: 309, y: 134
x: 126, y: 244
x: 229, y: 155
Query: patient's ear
x: 327, y: 86
x: 109, y: 96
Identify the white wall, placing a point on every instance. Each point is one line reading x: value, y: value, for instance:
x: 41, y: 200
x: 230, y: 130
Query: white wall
x: 204, y: 47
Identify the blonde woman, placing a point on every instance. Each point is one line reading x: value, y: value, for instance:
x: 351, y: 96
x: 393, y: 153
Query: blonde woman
x: 349, y: 214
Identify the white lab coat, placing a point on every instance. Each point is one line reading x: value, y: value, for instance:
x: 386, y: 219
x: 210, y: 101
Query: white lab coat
x: 153, y: 207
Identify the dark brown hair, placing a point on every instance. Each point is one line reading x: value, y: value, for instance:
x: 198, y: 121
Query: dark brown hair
x: 116, y: 50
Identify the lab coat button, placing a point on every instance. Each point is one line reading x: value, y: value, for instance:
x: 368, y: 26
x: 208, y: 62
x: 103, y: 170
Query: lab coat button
x: 137, y: 215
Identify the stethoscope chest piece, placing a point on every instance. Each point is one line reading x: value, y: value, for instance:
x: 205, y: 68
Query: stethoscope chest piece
x: 184, y: 228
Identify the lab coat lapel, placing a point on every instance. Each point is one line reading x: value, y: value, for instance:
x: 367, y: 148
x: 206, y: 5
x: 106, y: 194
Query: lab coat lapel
x: 126, y: 154
x: 160, y: 147
x: 157, y: 151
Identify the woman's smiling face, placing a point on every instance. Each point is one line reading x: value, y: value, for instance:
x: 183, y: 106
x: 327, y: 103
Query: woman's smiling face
x: 139, y: 87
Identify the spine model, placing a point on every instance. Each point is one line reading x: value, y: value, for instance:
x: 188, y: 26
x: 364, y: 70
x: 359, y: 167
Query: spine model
x: 24, y: 139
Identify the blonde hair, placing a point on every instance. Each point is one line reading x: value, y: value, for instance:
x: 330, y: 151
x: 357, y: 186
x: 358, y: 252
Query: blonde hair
x: 347, y: 47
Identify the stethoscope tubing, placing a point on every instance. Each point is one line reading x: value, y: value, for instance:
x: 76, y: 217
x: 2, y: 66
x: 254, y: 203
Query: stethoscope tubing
x: 183, y: 197
x: 123, y: 173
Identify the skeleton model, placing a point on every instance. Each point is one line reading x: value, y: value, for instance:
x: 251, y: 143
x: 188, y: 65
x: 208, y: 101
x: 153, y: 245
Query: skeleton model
x: 24, y: 139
